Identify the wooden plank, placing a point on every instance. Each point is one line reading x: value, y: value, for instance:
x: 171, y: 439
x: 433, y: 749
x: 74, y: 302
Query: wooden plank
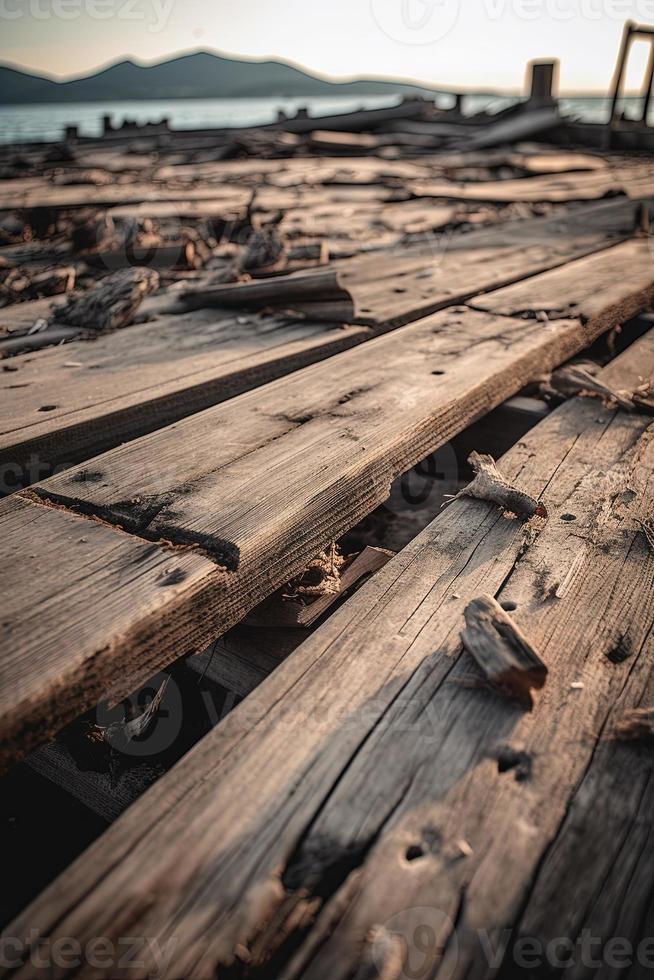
x: 259, y: 485
x: 329, y: 830
x: 126, y: 384
x: 133, y: 381
x: 556, y: 162
x: 634, y: 181
x: 101, y: 575
x: 515, y: 127
x: 414, y: 280
x: 14, y: 197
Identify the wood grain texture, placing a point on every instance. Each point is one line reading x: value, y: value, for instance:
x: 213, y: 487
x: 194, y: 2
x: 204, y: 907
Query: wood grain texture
x: 260, y: 484
x: 119, y: 386
x: 126, y: 384
x: 321, y: 824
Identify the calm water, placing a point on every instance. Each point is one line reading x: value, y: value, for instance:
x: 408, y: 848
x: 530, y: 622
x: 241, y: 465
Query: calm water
x: 47, y: 122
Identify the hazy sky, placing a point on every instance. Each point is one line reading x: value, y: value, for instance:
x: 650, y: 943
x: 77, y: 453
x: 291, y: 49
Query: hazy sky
x: 466, y: 43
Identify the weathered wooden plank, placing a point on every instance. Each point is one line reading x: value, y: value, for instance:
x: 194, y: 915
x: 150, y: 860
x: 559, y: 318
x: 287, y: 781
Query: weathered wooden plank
x: 134, y: 381
x: 262, y: 483
x: 327, y: 830
x: 414, y: 280
x: 78, y: 196
x: 515, y: 127
x: 125, y: 384
x: 556, y: 162
x: 635, y: 181
x: 87, y: 578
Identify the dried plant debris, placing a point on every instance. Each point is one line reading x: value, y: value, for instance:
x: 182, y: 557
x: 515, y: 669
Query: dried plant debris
x: 111, y: 304
x: 647, y: 527
x: 635, y: 724
x: 579, y: 379
x: 321, y: 577
x: 501, y: 649
x: 489, y: 484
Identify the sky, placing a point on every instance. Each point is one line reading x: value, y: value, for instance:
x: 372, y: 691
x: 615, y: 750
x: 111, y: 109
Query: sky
x: 466, y: 44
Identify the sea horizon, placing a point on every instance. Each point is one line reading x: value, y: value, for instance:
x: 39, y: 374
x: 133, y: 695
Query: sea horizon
x: 36, y: 122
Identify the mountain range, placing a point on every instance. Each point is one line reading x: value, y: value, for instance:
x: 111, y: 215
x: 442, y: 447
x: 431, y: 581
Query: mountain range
x: 197, y: 75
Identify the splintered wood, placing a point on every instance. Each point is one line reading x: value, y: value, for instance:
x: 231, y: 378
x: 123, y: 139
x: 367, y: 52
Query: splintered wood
x: 502, y: 650
x: 489, y: 484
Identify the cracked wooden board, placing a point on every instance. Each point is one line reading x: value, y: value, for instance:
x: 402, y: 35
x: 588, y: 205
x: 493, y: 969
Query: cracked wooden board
x: 597, y: 292
x: 130, y: 382
x: 260, y: 484
x: 321, y: 824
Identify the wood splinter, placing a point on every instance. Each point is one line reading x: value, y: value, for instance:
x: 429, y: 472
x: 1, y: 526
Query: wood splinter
x: 489, y: 484
x: 506, y: 656
x: 576, y: 379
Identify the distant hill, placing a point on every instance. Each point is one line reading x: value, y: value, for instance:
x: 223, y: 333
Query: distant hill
x: 198, y: 75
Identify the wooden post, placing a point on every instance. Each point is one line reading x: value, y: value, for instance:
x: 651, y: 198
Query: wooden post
x: 616, y: 84
x: 542, y: 80
x: 649, y: 83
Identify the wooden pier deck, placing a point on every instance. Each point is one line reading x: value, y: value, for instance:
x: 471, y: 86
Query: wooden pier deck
x: 243, y: 359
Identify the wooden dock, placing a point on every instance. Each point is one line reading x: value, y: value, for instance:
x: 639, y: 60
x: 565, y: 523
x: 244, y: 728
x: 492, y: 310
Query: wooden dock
x: 215, y: 376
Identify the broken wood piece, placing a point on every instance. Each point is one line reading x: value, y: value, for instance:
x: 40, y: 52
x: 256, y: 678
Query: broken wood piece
x: 636, y: 723
x: 573, y: 379
x: 111, y: 304
x: 280, y: 610
x: 502, y: 650
x: 489, y: 484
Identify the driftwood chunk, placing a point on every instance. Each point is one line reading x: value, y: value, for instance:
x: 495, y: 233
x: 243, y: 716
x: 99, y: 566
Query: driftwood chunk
x: 111, y: 304
x: 502, y: 650
x: 489, y: 484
